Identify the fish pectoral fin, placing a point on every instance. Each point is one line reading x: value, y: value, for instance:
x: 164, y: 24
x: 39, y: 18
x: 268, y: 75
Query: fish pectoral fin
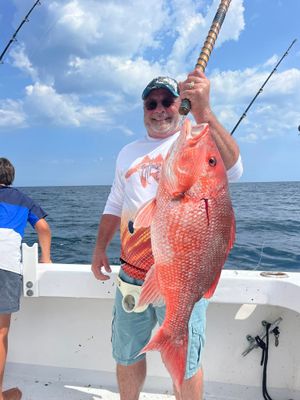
x: 212, y: 288
x: 151, y: 291
x: 145, y: 214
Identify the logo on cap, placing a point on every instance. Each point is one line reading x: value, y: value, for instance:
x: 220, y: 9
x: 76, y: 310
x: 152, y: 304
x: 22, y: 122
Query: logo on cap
x: 162, y: 82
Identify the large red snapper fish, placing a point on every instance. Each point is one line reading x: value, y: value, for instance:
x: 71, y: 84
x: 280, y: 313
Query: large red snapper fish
x: 192, y: 231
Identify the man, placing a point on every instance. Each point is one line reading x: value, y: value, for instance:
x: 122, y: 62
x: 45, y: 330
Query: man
x: 136, y: 180
x: 15, y: 210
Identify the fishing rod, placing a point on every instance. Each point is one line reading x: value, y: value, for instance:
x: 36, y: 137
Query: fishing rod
x: 262, y: 87
x: 207, y: 48
x: 13, y: 38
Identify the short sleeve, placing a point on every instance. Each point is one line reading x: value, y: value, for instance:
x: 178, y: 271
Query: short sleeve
x: 115, y: 199
x: 235, y: 172
x: 35, y: 213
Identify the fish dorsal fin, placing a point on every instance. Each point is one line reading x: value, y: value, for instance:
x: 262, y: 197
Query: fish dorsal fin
x: 212, y: 289
x: 232, y: 235
x: 145, y: 214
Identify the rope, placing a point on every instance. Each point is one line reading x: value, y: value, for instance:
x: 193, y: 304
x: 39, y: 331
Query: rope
x: 264, y: 359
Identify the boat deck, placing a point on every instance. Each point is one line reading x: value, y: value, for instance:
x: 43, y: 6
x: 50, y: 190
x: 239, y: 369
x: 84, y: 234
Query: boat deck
x: 37, y: 387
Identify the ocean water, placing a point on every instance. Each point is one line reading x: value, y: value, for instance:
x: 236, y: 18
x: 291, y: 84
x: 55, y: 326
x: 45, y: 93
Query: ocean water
x: 267, y: 219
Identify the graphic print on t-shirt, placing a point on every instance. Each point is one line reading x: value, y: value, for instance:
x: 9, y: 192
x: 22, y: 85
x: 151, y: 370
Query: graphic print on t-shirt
x: 136, y: 182
x: 136, y: 243
x: 147, y: 168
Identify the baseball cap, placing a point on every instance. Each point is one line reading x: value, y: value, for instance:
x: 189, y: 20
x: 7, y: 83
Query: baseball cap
x: 162, y: 82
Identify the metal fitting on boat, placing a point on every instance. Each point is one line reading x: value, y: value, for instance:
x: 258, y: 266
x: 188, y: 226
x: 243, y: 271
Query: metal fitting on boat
x: 274, y: 274
x: 30, y: 291
x: 273, y: 327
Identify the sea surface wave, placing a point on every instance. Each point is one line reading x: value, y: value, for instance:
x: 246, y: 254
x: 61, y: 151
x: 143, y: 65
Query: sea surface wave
x: 267, y: 224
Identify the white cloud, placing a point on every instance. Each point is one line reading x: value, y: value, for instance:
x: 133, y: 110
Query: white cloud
x: 20, y: 60
x: 11, y: 114
x: 126, y: 130
x: 109, y: 74
x: 192, y: 27
x: 234, y: 22
x: 97, y: 42
x: 239, y: 86
x: 91, y: 28
x: 275, y: 108
x: 112, y: 27
x: 44, y: 104
x: 271, y: 61
x: 89, y: 60
x: 249, y: 138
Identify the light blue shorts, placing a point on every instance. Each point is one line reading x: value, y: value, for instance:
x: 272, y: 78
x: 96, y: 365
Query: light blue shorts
x: 10, y: 291
x: 132, y: 331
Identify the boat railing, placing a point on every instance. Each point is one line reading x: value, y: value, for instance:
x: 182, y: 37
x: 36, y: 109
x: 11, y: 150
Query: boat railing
x: 249, y: 288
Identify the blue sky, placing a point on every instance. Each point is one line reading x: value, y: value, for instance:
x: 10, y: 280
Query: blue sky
x: 70, y: 86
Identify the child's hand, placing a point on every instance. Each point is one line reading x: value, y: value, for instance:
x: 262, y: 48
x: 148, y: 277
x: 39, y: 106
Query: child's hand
x: 45, y: 260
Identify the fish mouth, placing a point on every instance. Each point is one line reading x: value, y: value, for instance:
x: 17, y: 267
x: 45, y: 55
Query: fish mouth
x: 196, y: 132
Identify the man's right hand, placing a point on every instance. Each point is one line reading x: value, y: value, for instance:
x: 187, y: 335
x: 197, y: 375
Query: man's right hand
x: 100, y: 261
x: 108, y: 225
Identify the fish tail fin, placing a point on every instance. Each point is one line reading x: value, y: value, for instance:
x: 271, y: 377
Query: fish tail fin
x: 173, y: 354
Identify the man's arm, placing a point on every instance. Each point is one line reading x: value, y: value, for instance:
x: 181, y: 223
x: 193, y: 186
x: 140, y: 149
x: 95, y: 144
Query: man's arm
x: 227, y: 146
x: 198, y: 94
x: 107, y: 227
x: 44, y: 235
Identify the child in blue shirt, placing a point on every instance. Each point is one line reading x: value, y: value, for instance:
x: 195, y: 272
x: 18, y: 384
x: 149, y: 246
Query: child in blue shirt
x: 16, y: 209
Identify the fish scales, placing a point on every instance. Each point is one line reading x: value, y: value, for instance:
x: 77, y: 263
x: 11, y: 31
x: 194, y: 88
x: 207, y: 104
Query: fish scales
x: 192, y: 232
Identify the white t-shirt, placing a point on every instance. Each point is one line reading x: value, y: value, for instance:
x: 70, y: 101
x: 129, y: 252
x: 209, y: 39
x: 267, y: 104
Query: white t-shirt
x: 136, y: 181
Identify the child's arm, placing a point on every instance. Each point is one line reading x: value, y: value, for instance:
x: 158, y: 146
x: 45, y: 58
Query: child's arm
x: 44, y: 235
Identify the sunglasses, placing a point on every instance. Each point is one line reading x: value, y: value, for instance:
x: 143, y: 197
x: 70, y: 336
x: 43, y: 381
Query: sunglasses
x: 152, y: 104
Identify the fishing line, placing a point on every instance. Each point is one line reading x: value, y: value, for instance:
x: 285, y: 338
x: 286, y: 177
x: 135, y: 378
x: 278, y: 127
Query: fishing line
x: 181, y: 120
x: 261, y: 255
x: 244, y: 115
x: 262, y: 87
x: 263, y: 243
x: 14, y: 36
x: 44, y: 36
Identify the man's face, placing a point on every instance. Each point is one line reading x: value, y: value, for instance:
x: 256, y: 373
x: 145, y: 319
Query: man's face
x: 161, y: 116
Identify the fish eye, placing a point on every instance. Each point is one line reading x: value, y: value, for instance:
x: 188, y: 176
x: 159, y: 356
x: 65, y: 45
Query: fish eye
x: 212, y: 161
